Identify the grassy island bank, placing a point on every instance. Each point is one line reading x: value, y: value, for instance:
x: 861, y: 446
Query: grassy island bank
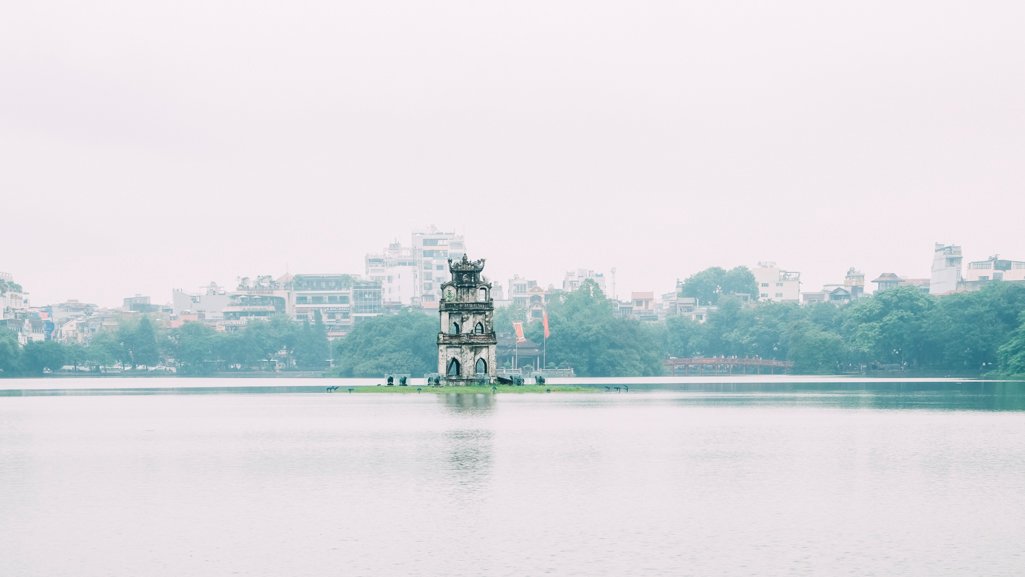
x: 466, y: 390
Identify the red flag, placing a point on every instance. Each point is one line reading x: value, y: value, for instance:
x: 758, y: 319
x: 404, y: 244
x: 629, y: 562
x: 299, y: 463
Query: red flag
x: 544, y: 319
x: 519, y: 332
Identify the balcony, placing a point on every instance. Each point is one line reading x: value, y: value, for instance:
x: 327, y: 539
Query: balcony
x: 475, y: 306
x: 467, y: 339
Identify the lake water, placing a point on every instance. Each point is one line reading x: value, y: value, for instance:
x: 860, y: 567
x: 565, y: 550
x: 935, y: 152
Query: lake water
x: 688, y: 477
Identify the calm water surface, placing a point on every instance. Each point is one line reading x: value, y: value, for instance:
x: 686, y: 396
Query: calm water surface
x: 774, y: 479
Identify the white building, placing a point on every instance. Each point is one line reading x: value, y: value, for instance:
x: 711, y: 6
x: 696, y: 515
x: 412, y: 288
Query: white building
x: 396, y: 270
x: 994, y: 269
x: 853, y: 287
x: 12, y: 297
x: 207, y: 306
x: 341, y: 300
x: 946, y: 269
x: 519, y: 291
x: 776, y: 284
x: 575, y: 278
x: 413, y: 276
x: 675, y: 304
x: 432, y: 250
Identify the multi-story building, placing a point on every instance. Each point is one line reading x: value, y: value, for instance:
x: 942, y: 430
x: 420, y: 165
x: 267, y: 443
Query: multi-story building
x: 341, y: 300
x: 889, y: 280
x: 413, y: 276
x: 80, y: 323
x: 643, y: 306
x: 674, y: 304
x: 396, y: 270
x: 366, y: 299
x: 852, y: 288
x: 244, y: 308
x: 854, y: 282
x: 432, y: 250
x: 207, y: 306
x: 946, y: 269
x: 575, y: 278
x: 139, y: 304
x: 776, y: 284
x: 519, y: 291
x: 992, y: 269
x: 12, y: 297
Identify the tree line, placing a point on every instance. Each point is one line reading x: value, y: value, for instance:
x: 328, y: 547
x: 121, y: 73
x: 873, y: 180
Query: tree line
x: 193, y: 349
x: 898, y: 330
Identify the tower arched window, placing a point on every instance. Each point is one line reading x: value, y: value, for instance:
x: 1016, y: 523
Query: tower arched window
x: 453, y: 368
x: 482, y: 367
x: 482, y: 294
x: 478, y: 329
x: 453, y: 329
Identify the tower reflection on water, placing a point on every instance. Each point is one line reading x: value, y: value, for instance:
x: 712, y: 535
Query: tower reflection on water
x: 470, y: 440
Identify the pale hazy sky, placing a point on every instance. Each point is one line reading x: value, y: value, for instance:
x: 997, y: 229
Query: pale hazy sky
x: 146, y: 146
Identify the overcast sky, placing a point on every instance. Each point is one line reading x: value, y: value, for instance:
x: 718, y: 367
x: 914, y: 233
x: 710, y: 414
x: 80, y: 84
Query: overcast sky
x: 146, y: 146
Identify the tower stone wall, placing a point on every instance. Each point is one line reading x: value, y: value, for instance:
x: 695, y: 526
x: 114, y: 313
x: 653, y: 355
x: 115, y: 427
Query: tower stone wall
x: 466, y: 337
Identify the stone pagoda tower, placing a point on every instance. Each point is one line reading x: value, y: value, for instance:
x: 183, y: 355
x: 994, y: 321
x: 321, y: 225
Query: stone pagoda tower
x: 467, y: 341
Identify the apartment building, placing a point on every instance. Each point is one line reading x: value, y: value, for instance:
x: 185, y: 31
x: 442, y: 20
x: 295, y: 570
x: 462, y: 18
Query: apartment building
x: 946, y: 269
x: 776, y: 284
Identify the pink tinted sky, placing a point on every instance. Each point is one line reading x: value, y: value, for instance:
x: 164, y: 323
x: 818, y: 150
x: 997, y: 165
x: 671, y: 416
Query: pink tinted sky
x: 145, y: 147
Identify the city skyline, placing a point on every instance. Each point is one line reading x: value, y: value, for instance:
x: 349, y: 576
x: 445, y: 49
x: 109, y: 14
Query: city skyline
x: 614, y: 283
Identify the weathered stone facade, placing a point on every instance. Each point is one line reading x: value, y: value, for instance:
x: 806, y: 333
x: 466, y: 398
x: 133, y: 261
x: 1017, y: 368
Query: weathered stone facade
x: 466, y: 341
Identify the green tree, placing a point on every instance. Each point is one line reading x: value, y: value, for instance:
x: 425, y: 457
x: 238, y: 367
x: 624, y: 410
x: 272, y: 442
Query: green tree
x: 273, y: 339
x: 740, y: 281
x: 105, y: 349
x: 313, y: 350
x: 966, y: 330
x: 144, y: 349
x: 1011, y: 354
x: 814, y: 350
x: 194, y: 347
x: 684, y: 338
x: 505, y: 317
x: 706, y: 286
x: 40, y: 356
x: 10, y: 353
x: 402, y: 343
x: 587, y: 336
x: 710, y: 284
x: 889, y: 327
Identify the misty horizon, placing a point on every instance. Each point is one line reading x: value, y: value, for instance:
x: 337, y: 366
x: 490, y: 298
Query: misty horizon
x: 614, y: 281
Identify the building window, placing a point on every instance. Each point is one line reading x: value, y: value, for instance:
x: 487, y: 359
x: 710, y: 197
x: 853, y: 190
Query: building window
x: 478, y: 329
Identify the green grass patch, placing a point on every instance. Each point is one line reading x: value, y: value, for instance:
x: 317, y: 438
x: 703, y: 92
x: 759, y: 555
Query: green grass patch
x: 466, y: 390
